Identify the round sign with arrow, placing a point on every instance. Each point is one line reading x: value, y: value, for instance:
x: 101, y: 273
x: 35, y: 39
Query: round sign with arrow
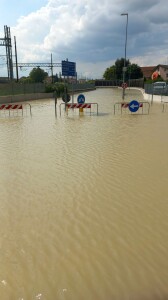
x: 133, y: 106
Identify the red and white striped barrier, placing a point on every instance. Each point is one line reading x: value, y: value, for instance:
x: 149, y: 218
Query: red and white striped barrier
x: 11, y: 106
x: 77, y: 105
x: 125, y: 105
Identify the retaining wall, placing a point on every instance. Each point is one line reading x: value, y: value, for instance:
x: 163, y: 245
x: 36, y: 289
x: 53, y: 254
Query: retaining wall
x: 25, y: 97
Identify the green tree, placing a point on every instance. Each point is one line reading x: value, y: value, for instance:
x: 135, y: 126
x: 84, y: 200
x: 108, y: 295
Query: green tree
x: 116, y: 71
x: 134, y: 72
x: 56, y: 79
x: 25, y: 79
x: 119, y: 67
x: 38, y: 75
x: 110, y: 73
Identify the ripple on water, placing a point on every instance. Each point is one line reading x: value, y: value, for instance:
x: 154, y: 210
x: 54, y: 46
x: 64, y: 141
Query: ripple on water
x: 84, y: 203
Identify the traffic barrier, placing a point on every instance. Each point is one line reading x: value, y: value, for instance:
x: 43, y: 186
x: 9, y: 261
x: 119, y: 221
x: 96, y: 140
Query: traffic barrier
x: 11, y: 106
x: 79, y: 106
x: 15, y: 107
x: 165, y: 103
x: 126, y: 105
x: 132, y: 107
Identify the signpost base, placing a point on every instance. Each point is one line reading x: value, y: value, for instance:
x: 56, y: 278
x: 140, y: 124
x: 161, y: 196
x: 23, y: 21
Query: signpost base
x: 80, y: 110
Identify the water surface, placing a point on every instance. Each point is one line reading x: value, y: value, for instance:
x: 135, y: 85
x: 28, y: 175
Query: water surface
x: 84, y: 202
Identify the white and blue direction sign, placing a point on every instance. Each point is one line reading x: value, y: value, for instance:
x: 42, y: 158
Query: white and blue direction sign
x: 68, y: 68
x: 81, y: 99
x: 133, y: 106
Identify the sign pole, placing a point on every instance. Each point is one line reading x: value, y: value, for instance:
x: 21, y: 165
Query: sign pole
x: 72, y: 93
x: 68, y: 70
x: 55, y: 106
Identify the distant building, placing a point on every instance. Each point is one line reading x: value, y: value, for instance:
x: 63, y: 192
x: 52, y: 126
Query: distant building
x: 147, y: 71
x: 161, y: 69
x: 82, y: 80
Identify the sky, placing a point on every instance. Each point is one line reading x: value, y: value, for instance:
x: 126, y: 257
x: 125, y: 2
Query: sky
x: 91, y: 33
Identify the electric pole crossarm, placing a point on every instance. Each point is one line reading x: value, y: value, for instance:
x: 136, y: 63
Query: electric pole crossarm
x: 38, y: 65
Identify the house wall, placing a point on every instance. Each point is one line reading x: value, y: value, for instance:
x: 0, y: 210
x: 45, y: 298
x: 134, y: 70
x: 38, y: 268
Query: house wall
x: 163, y: 72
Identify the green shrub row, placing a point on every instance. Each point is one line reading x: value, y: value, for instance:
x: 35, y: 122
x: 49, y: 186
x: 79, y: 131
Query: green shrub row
x: 57, y: 88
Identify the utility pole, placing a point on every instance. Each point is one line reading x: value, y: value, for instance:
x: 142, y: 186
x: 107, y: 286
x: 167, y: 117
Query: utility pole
x: 124, y: 68
x: 8, y: 46
x: 17, y: 76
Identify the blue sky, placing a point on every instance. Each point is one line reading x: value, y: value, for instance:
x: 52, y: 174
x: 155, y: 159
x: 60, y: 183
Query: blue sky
x: 10, y: 11
x: 89, y: 32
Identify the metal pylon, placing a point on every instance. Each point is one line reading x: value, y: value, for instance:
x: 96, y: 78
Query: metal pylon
x: 6, y: 42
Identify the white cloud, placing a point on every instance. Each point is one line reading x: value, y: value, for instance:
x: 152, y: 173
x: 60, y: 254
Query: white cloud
x: 92, y: 33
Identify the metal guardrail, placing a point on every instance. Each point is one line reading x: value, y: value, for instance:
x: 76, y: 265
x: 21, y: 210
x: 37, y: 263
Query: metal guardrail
x: 149, y: 89
x: 79, y: 106
x: 81, y: 87
x: 15, y: 107
x: 165, y: 103
x: 143, y: 107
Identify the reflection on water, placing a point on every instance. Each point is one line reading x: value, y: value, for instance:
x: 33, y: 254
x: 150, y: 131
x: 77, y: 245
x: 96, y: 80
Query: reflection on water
x: 83, y: 205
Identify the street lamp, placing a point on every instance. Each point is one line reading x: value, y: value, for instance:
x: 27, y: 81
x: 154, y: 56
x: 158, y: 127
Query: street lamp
x: 124, y: 68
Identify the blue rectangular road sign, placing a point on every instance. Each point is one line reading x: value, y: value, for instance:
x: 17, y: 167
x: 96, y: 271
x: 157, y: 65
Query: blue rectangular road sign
x: 68, y: 68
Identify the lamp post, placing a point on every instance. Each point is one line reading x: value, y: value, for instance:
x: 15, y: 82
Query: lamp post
x: 124, y: 68
x: 129, y: 70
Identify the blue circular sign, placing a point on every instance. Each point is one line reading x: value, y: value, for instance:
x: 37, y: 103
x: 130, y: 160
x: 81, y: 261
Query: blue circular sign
x: 133, y: 105
x: 81, y: 99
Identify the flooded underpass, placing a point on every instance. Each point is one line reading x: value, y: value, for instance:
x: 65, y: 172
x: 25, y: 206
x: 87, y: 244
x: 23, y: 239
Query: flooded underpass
x: 84, y: 202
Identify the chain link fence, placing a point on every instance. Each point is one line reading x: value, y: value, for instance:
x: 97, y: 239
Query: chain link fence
x: 21, y: 88
x: 130, y: 83
x: 149, y: 89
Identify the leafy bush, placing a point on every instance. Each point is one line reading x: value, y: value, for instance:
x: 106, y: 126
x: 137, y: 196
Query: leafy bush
x: 58, y: 88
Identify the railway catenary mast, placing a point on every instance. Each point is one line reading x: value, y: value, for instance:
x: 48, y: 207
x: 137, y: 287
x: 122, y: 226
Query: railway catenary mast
x: 6, y: 42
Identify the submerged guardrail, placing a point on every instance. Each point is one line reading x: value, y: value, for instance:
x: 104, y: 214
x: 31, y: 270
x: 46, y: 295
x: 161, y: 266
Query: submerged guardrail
x: 78, y: 106
x: 15, y: 108
x: 164, y: 105
x: 132, y: 107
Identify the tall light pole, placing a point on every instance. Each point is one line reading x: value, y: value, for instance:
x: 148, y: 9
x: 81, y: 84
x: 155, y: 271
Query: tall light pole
x: 124, y: 68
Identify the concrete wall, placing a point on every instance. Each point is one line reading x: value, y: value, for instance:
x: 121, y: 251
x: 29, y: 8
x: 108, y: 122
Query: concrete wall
x: 25, y: 97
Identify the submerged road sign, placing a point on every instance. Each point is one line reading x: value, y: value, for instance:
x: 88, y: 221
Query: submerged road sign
x: 133, y: 105
x: 81, y: 99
